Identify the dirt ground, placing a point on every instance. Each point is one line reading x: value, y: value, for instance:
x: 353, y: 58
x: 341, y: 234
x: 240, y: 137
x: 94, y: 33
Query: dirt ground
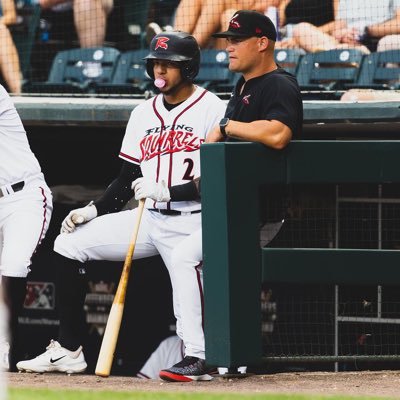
x: 380, y: 384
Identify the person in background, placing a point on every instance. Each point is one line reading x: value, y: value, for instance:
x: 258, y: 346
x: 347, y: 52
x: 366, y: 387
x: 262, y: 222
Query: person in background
x: 359, y: 24
x: 294, y: 13
x: 202, y: 18
x: 9, y: 59
x: 90, y: 18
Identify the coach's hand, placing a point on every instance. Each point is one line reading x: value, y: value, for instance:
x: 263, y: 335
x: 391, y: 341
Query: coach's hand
x: 214, y: 135
x: 78, y: 217
x: 147, y: 188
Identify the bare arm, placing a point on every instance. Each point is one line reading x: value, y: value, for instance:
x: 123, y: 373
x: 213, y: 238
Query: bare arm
x: 272, y: 133
x: 389, y: 27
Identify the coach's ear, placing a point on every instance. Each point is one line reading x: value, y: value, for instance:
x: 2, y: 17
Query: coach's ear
x: 263, y: 43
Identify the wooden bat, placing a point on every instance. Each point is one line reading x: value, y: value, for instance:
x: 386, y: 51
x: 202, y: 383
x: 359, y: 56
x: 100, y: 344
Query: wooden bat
x: 106, y: 355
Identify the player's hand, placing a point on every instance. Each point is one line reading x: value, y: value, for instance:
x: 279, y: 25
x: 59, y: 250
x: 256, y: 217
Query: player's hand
x: 148, y: 189
x: 77, y: 217
x: 215, y: 135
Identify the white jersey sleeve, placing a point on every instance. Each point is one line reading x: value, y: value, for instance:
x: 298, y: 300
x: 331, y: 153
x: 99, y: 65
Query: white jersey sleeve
x: 130, y: 150
x: 17, y: 159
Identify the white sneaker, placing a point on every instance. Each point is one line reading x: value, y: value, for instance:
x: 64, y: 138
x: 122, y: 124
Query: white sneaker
x: 4, y: 354
x: 55, y: 359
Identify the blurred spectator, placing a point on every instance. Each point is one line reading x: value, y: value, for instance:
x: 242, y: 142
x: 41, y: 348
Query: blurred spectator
x: 319, y: 13
x: 202, y: 18
x: 363, y: 24
x: 9, y: 60
x: 90, y: 18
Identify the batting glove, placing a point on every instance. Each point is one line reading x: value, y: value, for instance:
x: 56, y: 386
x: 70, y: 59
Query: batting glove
x: 78, y: 217
x: 145, y: 188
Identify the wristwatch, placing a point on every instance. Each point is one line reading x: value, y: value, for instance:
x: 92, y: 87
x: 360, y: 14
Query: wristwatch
x: 222, y: 125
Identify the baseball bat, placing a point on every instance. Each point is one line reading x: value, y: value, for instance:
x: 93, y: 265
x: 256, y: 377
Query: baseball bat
x: 106, y: 355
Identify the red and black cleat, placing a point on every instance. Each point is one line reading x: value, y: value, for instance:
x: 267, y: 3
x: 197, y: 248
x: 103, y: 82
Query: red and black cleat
x: 187, y: 370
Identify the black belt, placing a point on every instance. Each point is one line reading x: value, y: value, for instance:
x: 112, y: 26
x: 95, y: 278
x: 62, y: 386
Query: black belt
x: 16, y: 187
x: 173, y: 212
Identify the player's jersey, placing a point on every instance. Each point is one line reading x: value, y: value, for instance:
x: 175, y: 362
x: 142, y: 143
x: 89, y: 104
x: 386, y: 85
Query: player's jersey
x: 166, y: 144
x: 17, y: 161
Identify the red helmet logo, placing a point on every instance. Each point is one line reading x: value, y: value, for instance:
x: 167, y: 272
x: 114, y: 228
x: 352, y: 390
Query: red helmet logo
x: 162, y: 43
x: 233, y: 23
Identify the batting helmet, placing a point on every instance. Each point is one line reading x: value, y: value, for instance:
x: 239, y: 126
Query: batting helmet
x: 175, y: 46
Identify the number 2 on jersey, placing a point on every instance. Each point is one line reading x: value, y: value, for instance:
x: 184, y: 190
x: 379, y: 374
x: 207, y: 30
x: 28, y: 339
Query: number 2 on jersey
x: 188, y: 174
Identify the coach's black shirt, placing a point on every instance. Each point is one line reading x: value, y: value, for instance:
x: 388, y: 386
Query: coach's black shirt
x: 275, y: 95
x: 272, y: 96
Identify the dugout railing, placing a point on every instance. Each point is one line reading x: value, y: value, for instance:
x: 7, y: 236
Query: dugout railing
x: 235, y: 264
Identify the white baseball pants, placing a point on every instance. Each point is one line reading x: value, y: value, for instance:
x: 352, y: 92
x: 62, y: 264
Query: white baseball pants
x: 24, y: 219
x: 107, y: 238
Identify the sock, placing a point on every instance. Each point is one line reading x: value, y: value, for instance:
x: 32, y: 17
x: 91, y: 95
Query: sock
x: 14, y: 292
x: 71, y: 292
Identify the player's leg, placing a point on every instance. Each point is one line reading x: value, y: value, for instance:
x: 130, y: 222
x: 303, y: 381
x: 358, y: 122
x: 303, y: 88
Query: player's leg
x: 183, y: 261
x: 208, y: 21
x: 90, y: 18
x: 24, y: 219
x: 187, y: 14
x: 104, y: 238
x: 186, y: 260
x: 167, y: 233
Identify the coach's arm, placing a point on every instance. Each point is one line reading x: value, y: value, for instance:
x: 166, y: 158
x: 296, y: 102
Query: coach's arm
x: 271, y: 133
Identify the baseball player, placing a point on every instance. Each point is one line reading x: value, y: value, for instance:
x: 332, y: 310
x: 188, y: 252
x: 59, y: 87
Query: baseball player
x: 25, y: 211
x: 161, y: 162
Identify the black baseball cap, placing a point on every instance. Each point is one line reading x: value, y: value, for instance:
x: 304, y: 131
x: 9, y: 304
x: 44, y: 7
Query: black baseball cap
x: 248, y: 23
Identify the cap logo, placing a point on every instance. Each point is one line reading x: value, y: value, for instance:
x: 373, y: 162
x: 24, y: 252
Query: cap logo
x: 258, y: 30
x: 162, y: 43
x: 233, y: 23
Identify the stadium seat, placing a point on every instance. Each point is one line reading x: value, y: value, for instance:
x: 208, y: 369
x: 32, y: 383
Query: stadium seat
x: 23, y: 34
x: 380, y: 70
x: 214, y: 73
x: 77, y: 70
x: 130, y: 75
x: 289, y: 59
x: 329, y: 70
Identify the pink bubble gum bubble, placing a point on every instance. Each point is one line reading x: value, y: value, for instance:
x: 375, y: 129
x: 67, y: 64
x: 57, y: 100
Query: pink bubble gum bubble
x: 160, y: 83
